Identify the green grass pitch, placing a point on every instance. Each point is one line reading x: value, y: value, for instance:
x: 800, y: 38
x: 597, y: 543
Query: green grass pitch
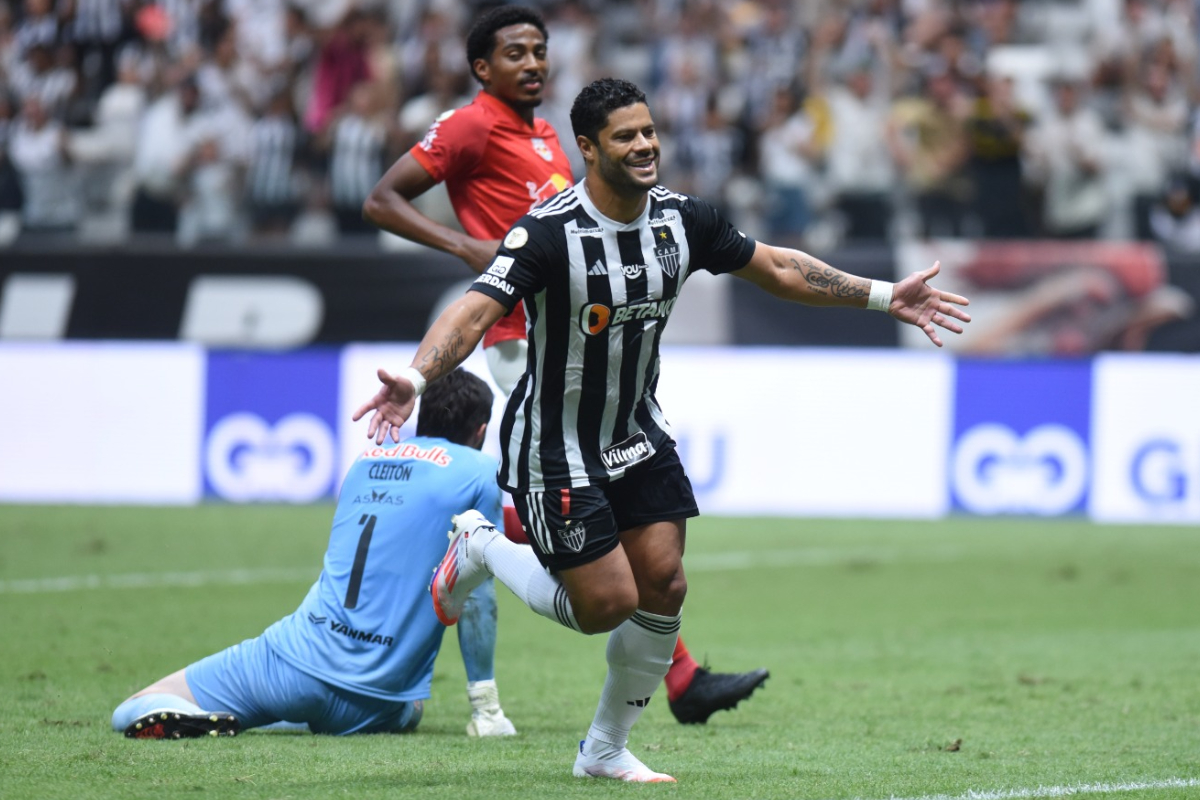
x: 908, y: 659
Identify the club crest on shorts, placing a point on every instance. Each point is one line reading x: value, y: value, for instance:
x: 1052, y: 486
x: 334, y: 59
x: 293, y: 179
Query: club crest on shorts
x: 542, y: 149
x: 573, y: 536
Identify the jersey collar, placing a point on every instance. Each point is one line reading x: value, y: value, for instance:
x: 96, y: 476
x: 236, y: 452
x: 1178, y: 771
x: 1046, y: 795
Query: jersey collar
x: 586, y: 201
x: 504, y: 110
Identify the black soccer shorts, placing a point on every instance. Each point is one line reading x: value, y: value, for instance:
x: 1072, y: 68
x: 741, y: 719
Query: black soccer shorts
x: 572, y: 527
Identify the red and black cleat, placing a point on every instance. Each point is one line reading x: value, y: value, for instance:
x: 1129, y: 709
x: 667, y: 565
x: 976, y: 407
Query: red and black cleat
x: 710, y: 692
x: 168, y: 724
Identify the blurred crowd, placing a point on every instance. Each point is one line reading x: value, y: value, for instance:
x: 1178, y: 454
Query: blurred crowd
x: 812, y: 123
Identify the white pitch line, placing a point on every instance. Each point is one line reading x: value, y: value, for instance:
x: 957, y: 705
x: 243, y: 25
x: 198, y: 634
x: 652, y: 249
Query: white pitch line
x: 703, y: 562
x: 817, y: 557
x: 156, y: 580
x: 1062, y: 791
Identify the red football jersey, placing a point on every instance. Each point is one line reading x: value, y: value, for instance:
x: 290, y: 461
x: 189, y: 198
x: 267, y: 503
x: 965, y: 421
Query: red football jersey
x: 496, y: 167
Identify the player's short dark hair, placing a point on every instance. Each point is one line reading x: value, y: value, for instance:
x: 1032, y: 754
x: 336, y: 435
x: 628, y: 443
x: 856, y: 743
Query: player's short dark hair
x: 481, y: 39
x: 454, y: 406
x: 589, y: 112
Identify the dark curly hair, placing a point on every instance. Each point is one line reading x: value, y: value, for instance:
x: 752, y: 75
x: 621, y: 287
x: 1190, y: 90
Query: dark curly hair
x: 481, y: 39
x: 454, y: 406
x: 589, y: 112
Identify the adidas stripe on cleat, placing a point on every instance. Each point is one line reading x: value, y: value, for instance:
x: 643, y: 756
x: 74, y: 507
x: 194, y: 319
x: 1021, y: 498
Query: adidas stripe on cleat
x: 462, y: 568
x: 167, y: 723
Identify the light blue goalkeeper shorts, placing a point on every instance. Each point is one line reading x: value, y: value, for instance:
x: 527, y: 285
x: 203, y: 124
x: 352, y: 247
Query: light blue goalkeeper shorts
x: 258, y: 687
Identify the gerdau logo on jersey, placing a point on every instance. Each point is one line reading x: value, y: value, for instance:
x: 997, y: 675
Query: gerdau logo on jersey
x: 596, y: 318
x: 627, y: 453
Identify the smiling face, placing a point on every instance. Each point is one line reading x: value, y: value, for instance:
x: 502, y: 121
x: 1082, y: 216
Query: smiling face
x: 516, y: 70
x: 627, y: 152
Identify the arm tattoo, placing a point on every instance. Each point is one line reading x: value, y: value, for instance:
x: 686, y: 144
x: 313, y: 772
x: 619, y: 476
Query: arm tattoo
x: 829, y: 281
x: 444, y: 357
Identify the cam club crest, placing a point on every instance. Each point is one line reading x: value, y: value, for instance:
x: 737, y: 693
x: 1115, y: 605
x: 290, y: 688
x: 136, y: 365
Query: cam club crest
x: 667, y: 252
x: 573, y: 536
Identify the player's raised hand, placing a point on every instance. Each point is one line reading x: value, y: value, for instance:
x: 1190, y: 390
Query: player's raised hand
x: 393, y: 405
x: 916, y: 302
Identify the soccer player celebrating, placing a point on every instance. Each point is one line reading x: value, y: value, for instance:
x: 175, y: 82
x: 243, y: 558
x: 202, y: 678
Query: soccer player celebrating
x: 357, y: 656
x: 498, y: 161
x: 588, y: 455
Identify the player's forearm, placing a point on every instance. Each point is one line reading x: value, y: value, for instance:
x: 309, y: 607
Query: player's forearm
x: 802, y: 278
x: 396, y: 215
x: 454, y: 336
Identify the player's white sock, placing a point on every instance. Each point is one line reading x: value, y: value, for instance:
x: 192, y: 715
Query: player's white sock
x: 517, y: 567
x: 639, y: 655
x: 135, y: 707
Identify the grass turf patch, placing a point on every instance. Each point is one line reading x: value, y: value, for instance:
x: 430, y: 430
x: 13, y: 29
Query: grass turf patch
x: 907, y: 659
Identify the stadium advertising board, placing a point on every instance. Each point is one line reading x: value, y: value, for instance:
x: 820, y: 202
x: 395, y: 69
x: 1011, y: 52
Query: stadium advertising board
x: 1146, y: 425
x: 270, y: 423
x: 781, y: 431
x: 358, y: 383
x: 1021, y: 437
x: 763, y: 431
x: 92, y: 422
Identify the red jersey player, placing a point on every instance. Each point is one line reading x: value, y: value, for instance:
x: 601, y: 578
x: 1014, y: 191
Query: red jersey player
x: 498, y: 160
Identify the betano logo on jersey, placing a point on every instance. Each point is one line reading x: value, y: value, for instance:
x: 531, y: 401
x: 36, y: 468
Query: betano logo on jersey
x: 551, y: 187
x: 595, y: 318
x: 434, y: 455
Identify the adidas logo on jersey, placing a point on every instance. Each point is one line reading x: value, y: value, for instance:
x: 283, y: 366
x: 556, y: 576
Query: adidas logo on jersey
x: 598, y: 268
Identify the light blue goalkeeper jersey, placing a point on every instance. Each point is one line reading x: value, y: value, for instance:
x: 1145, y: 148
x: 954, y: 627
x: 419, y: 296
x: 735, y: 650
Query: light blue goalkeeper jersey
x: 367, y: 624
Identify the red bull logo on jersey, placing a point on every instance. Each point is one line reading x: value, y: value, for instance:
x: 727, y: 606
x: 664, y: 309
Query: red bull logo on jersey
x: 551, y: 187
x: 434, y: 455
x: 596, y: 318
x: 542, y: 149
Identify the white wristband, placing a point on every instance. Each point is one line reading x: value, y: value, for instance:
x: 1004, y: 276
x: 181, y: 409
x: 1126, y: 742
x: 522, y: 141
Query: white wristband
x: 414, y: 377
x: 881, y: 296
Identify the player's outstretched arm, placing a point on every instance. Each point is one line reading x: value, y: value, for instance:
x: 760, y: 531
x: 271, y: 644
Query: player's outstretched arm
x: 801, y: 278
x: 453, y: 336
x: 389, y: 206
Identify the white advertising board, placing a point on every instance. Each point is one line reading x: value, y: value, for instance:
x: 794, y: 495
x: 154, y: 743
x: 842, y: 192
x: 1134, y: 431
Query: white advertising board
x: 359, y: 383
x: 788, y: 432
x: 769, y: 431
x: 1146, y: 438
x: 100, y: 423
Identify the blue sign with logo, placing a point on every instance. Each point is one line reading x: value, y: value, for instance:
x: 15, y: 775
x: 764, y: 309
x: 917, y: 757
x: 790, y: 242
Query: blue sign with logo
x: 270, y: 426
x: 1021, y: 441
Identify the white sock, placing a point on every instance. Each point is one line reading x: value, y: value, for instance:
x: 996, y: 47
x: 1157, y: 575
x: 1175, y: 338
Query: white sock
x: 517, y: 567
x: 639, y: 655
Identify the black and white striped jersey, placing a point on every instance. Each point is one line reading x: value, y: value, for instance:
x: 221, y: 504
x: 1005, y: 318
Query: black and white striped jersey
x: 356, y: 160
x: 597, y: 295
x: 270, y: 180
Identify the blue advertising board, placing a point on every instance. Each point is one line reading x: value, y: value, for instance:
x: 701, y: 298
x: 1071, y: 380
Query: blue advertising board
x: 1021, y: 437
x: 270, y: 432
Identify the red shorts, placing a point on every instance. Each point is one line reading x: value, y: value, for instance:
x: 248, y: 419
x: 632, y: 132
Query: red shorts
x: 511, y: 326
